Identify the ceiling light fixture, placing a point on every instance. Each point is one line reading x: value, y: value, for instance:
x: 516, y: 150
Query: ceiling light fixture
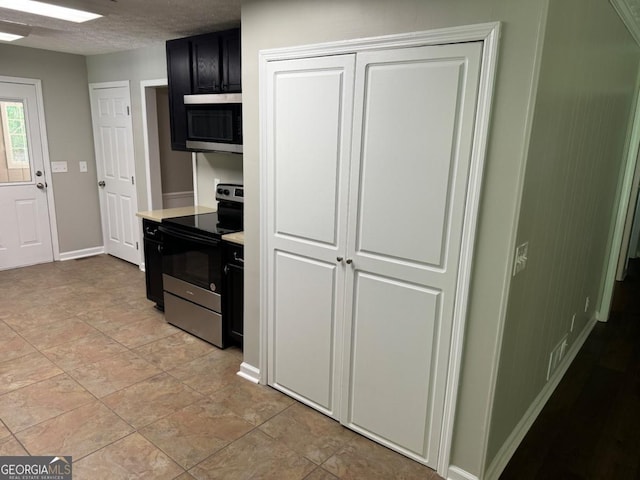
x: 48, y: 10
x: 10, y: 31
x: 9, y: 37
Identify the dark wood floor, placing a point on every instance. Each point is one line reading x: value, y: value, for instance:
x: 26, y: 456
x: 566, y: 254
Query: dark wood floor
x: 590, y: 428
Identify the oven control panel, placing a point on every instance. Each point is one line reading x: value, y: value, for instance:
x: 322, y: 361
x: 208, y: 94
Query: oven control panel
x: 232, y: 192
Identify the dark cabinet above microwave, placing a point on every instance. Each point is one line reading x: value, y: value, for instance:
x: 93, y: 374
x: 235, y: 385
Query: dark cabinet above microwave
x: 202, y: 64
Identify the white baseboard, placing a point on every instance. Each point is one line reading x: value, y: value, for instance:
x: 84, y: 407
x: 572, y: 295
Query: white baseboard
x: 517, y: 435
x: 177, y: 199
x: 75, y: 254
x: 456, y: 473
x: 142, y: 267
x: 249, y: 372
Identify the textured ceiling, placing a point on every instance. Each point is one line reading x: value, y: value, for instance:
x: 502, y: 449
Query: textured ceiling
x: 127, y: 24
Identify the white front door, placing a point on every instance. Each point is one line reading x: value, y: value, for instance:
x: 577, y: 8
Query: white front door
x: 113, y: 137
x: 25, y: 232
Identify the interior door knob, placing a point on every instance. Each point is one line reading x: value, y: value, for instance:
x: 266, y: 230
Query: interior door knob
x: 349, y: 261
x: 101, y: 183
x: 339, y: 259
x: 40, y: 185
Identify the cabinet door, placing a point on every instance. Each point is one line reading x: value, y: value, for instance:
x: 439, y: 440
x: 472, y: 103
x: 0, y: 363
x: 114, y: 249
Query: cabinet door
x: 179, y: 79
x: 230, y: 47
x: 308, y: 142
x: 205, y: 51
x: 414, y: 116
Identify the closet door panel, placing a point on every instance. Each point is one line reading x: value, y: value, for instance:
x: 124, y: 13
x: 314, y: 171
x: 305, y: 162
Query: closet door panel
x: 309, y: 104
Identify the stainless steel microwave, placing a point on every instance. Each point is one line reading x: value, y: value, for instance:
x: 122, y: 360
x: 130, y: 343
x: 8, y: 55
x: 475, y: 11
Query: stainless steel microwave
x: 214, y: 122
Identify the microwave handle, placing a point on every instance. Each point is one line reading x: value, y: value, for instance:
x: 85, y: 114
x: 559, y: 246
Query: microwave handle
x: 188, y: 236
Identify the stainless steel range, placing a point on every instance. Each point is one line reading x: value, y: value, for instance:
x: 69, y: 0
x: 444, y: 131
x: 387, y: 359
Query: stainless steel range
x: 192, y: 266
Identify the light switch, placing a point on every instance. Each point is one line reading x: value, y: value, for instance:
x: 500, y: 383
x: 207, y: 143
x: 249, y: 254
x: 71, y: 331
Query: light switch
x: 83, y: 166
x: 59, y: 167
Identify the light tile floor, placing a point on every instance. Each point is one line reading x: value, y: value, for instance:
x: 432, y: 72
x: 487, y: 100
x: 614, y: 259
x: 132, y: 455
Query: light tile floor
x: 89, y: 368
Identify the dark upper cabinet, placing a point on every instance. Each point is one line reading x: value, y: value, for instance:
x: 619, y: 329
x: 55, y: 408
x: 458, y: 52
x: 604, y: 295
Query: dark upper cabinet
x: 179, y: 80
x: 205, y: 64
x: 215, y: 62
x: 202, y: 64
x: 230, y: 46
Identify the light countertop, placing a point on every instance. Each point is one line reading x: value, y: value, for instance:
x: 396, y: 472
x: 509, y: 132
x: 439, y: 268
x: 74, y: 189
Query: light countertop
x: 236, y: 237
x: 158, y: 215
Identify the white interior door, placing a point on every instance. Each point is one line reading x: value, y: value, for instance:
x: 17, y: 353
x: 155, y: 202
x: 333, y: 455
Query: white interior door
x: 25, y: 232
x: 308, y: 145
x: 414, y: 117
x: 113, y: 137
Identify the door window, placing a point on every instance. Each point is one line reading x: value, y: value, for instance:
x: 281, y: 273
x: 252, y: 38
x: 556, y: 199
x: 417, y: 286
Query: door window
x: 14, y: 151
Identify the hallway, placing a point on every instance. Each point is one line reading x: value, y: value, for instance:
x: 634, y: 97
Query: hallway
x: 590, y: 428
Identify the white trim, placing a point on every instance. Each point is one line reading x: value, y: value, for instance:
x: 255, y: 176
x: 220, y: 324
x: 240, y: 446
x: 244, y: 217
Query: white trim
x: 85, y: 252
x: 53, y: 223
x: 178, y: 199
x: 150, y: 141
x: 479, y: 150
x: 456, y: 473
x: 630, y: 20
x: 488, y: 33
x: 513, y: 236
x: 249, y: 372
x: 142, y: 267
x: 517, y: 435
x: 194, y: 171
x: 115, y: 84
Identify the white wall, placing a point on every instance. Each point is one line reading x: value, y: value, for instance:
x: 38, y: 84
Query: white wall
x: 226, y: 167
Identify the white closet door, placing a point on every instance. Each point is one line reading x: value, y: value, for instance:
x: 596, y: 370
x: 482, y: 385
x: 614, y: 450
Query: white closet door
x: 414, y: 115
x: 309, y: 105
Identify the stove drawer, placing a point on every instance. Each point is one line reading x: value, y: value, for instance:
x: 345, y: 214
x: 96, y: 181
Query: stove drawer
x: 199, y: 321
x: 192, y: 292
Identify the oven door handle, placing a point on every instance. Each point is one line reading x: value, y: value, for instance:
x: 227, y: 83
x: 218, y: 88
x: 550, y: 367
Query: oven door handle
x: 189, y: 236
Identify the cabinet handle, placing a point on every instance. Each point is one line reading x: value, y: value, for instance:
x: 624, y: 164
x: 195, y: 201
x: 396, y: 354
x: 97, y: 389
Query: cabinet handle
x: 160, y: 248
x: 226, y: 269
x: 238, y: 259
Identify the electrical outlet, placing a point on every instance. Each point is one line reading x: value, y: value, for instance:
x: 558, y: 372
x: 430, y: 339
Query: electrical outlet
x: 520, y: 260
x: 556, y: 356
x: 586, y: 305
x: 83, y: 167
x: 59, y: 167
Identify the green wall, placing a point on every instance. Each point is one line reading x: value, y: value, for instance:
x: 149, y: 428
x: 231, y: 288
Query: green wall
x: 580, y: 129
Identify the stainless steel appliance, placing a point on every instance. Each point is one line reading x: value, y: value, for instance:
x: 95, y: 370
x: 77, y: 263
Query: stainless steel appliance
x: 192, y: 266
x: 214, y: 122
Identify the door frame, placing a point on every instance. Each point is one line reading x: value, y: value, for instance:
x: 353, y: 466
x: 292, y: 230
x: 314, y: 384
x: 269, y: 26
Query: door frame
x: 53, y: 223
x: 92, y: 88
x: 489, y: 34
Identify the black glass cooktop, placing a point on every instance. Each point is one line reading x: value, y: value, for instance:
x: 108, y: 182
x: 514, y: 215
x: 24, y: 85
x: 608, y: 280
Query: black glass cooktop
x: 204, y: 224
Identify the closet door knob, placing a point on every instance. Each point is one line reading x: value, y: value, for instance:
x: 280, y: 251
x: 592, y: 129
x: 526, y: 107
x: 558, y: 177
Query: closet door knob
x: 340, y: 259
x: 349, y: 261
